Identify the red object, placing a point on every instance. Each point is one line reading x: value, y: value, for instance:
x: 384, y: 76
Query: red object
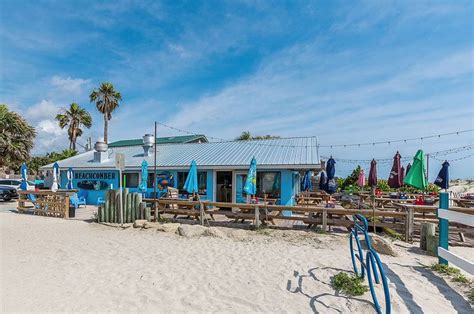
x: 420, y: 200
x: 37, y: 189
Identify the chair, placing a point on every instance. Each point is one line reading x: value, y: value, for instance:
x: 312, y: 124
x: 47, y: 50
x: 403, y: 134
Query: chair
x: 77, y: 201
x: 100, y: 200
x: 32, y: 199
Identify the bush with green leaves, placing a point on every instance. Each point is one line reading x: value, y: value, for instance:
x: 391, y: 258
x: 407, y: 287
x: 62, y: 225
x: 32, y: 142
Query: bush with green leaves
x: 349, y: 285
x: 445, y: 269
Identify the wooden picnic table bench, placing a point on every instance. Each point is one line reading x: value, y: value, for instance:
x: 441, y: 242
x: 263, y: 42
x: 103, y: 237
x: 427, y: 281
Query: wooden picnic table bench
x: 463, y: 202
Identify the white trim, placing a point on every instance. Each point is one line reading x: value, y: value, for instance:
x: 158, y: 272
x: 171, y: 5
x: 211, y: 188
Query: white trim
x: 98, y: 167
x: 453, y: 216
x: 456, y: 260
x: 214, y: 185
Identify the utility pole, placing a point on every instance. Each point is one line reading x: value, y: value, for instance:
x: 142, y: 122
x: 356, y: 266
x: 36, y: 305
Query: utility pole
x: 154, y: 177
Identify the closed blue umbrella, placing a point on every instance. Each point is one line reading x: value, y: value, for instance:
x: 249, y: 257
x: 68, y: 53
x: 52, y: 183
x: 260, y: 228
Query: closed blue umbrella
x: 69, y: 175
x: 24, y: 179
x: 250, y: 186
x: 322, y: 180
x: 442, y: 180
x: 143, y: 183
x: 191, y: 183
x: 307, y: 184
x: 331, y: 186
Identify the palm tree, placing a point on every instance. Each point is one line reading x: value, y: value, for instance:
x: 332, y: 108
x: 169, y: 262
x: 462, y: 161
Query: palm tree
x: 16, y: 138
x: 107, y: 100
x: 74, y: 118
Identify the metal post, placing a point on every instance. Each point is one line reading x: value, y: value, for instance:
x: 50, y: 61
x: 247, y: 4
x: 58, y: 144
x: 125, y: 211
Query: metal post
x: 443, y: 225
x: 154, y: 178
x: 120, y: 198
x: 427, y: 166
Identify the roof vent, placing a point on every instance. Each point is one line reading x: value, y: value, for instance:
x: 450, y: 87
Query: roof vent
x: 100, y: 154
x: 148, y: 142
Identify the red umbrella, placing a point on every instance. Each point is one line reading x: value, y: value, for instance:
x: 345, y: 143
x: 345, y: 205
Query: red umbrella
x: 373, y: 173
x: 394, y: 180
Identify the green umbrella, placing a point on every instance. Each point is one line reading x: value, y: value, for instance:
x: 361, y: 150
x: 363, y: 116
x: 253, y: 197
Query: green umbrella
x: 416, y: 177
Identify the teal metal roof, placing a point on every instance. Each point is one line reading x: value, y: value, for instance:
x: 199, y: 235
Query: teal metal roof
x: 162, y: 140
x: 292, y: 153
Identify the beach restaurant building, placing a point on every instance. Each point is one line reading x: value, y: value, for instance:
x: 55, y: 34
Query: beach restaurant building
x: 222, y: 167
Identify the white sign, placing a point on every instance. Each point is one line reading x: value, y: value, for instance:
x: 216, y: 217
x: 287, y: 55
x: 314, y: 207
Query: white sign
x: 120, y: 161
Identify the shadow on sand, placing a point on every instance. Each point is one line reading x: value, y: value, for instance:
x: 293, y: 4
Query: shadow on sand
x: 457, y: 301
x: 314, y: 300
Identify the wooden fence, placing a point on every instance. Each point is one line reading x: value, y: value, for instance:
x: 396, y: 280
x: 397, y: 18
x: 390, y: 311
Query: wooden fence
x: 446, y: 215
x: 259, y: 213
x: 45, y: 203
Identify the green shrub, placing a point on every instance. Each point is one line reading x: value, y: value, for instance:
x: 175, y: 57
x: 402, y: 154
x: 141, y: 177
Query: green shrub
x: 445, y: 269
x: 461, y: 279
x: 349, y: 285
x: 471, y: 295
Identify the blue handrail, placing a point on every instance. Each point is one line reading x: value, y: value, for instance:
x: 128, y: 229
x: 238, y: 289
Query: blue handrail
x: 372, y: 265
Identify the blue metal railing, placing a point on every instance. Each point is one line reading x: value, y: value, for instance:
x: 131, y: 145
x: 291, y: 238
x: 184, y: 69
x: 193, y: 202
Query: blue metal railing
x: 372, y: 265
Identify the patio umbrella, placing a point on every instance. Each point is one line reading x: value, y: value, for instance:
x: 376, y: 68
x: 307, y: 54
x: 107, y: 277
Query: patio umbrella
x: 408, y: 169
x: 69, y: 175
x: 416, y: 177
x: 373, y: 173
x: 143, y: 183
x: 361, y: 180
x: 55, y: 185
x: 394, y: 180
x: 402, y: 174
x: 331, y: 171
x: 307, y: 184
x: 191, y: 184
x: 442, y: 180
x: 250, y: 186
x: 322, y: 180
x: 24, y: 177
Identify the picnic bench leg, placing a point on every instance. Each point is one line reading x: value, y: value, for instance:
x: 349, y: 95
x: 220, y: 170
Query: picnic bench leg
x: 201, y: 214
x: 257, y: 217
x: 325, y: 220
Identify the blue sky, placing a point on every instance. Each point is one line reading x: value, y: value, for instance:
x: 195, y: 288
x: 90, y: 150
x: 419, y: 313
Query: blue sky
x: 344, y: 71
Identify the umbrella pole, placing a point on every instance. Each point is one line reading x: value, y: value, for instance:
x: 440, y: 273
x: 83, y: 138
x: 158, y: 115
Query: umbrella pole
x: 155, y: 209
x: 373, y: 210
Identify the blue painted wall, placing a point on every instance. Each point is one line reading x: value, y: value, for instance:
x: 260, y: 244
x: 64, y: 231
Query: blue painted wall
x: 289, y: 184
x: 92, y: 195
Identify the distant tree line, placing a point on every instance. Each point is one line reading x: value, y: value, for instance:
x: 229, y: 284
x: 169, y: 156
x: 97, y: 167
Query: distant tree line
x: 246, y: 136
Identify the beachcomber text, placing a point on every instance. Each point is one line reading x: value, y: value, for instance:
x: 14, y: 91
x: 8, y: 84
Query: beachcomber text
x: 94, y: 175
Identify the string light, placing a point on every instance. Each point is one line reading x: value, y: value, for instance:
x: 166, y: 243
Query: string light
x: 253, y: 142
x: 451, y: 160
x: 390, y: 160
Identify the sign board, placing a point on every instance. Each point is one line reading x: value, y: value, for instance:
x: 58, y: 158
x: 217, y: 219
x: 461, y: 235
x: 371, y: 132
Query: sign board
x: 120, y: 161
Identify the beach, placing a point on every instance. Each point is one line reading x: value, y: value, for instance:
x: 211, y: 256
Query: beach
x: 50, y: 264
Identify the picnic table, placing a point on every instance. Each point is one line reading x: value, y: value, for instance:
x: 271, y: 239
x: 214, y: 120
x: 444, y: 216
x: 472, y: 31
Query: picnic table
x: 463, y: 202
x: 384, y: 201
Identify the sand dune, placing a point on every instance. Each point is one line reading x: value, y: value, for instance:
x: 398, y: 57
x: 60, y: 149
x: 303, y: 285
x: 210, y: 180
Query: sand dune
x: 61, y: 265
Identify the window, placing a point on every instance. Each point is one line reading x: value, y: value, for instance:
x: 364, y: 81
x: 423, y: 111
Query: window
x: 202, y: 182
x: 131, y: 180
x: 268, y: 183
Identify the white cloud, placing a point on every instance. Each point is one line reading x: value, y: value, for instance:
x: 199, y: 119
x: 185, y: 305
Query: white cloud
x: 45, y: 109
x: 50, y: 127
x: 68, y: 84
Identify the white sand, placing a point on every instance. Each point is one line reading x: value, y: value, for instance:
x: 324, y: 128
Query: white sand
x: 50, y: 264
